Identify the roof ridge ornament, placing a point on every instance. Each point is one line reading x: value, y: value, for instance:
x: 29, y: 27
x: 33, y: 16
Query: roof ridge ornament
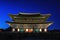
x: 29, y: 13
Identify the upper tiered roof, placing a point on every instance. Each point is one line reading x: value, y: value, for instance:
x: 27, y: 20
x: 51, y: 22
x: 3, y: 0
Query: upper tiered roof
x: 32, y: 17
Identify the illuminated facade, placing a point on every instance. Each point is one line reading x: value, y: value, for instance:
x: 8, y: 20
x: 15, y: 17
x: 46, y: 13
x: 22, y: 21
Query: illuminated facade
x: 29, y: 22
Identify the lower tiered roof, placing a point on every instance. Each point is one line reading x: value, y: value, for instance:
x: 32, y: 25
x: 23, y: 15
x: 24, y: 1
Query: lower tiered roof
x: 28, y: 23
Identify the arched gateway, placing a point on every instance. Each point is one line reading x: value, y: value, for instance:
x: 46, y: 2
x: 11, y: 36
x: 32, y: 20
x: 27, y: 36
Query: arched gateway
x: 29, y: 22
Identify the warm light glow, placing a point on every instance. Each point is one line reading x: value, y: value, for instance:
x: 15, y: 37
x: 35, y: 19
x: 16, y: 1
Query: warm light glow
x: 30, y: 30
x: 40, y: 30
x: 26, y: 30
x: 45, y: 30
x: 13, y: 29
x: 18, y: 29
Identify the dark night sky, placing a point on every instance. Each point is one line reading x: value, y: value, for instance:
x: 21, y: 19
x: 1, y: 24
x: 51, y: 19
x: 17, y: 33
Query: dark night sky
x: 41, y: 6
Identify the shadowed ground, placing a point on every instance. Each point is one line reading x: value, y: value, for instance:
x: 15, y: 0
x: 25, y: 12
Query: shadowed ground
x: 29, y: 36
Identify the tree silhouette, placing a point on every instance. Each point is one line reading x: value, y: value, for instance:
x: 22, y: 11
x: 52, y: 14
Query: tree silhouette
x: 9, y: 29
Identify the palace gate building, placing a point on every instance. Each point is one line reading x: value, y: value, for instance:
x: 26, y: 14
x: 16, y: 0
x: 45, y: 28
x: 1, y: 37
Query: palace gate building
x: 29, y: 22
